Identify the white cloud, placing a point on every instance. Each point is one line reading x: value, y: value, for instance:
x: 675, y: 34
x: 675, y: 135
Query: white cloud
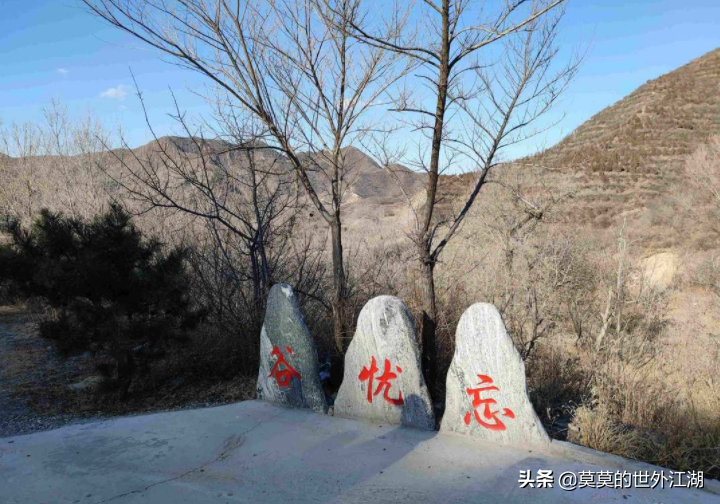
x: 116, y: 93
x: 63, y: 71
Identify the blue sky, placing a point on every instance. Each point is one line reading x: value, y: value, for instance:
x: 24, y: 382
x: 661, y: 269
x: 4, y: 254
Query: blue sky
x: 54, y: 49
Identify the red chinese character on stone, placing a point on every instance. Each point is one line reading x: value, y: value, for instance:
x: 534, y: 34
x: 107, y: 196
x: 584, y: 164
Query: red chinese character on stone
x: 384, y: 382
x: 489, y: 419
x: 283, y: 375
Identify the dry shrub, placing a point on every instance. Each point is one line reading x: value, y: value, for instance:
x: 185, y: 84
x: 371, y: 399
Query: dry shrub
x: 634, y: 408
x: 595, y: 373
x: 206, y: 370
x: 707, y: 274
x: 645, y: 418
x: 203, y: 371
x: 53, y: 166
x: 557, y: 383
x: 699, y: 197
x: 596, y: 429
x: 703, y: 167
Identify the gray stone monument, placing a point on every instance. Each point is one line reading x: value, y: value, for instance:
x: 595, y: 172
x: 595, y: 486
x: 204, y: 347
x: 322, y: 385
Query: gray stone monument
x: 383, y: 381
x: 486, y: 394
x: 289, y: 371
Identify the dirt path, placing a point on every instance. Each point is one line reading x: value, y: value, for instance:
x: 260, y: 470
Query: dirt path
x: 33, y: 379
x: 12, y: 408
x: 37, y: 385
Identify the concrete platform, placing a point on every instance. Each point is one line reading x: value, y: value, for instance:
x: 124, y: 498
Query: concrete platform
x: 258, y: 453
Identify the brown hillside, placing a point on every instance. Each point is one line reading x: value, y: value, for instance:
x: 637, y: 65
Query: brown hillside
x: 649, y: 131
x: 630, y: 156
x: 627, y: 161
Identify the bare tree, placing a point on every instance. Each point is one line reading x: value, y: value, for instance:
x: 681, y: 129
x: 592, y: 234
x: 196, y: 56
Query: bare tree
x: 241, y: 193
x: 488, y: 74
x: 290, y: 64
x: 51, y: 164
x: 532, y: 266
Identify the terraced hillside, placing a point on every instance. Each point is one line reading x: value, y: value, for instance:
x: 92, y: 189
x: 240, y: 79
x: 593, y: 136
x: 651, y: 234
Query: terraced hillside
x: 626, y: 162
x: 630, y: 156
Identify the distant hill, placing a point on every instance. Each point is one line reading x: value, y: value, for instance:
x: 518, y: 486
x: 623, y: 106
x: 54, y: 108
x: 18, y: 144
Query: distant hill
x: 650, y: 130
x: 624, y: 163
x: 374, y: 197
x: 365, y: 180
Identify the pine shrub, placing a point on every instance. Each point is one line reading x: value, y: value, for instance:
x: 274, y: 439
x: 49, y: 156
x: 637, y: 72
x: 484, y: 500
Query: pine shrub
x: 107, y: 289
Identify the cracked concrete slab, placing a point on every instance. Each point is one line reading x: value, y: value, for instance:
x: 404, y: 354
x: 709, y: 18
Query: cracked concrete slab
x: 255, y: 452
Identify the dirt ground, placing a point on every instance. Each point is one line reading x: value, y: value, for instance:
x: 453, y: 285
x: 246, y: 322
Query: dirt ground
x: 39, y: 390
x: 34, y: 380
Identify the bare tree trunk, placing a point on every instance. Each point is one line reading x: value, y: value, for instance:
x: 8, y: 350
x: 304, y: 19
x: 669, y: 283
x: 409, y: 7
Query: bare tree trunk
x: 258, y: 295
x: 426, y: 258
x: 605, y: 321
x: 125, y: 370
x: 428, y: 323
x: 339, y: 301
x: 619, y: 288
x: 264, y: 273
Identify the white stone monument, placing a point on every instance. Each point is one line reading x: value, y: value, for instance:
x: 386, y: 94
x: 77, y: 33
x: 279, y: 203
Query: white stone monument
x: 382, y: 380
x: 486, y: 395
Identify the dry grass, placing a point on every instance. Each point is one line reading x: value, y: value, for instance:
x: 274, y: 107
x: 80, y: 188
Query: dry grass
x: 646, y: 417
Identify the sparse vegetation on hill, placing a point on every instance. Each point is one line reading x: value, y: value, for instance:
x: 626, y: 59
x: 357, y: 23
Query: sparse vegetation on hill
x: 629, y: 158
x: 628, y: 161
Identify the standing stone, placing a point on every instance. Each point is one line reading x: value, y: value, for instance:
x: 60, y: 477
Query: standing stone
x: 486, y: 394
x: 383, y: 381
x: 289, y: 372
